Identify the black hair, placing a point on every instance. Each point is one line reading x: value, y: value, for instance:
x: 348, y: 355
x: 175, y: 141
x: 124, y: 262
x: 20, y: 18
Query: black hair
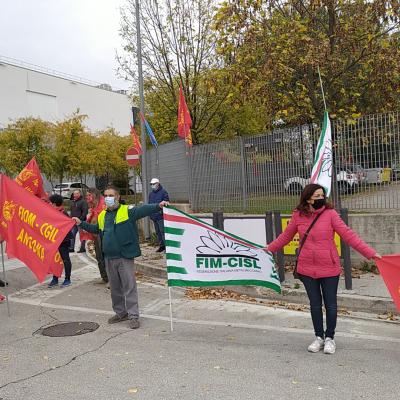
x: 306, y: 194
x: 56, y: 199
x: 112, y: 187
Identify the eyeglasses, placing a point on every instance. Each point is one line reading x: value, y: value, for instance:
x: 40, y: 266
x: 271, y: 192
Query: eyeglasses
x: 317, y: 196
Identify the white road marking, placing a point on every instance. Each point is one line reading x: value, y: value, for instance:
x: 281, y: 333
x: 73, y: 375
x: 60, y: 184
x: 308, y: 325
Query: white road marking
x: 209, y: 323
x: 39, y: 294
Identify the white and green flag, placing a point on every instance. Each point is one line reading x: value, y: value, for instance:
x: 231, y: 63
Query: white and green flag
x: 322, y: 169
x: 200, y: 255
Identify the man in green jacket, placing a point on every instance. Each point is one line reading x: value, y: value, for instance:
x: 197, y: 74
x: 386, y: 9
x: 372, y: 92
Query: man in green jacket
x: 120, y: 245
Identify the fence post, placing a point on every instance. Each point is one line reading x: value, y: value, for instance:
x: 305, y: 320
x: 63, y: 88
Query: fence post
x: 243, y: 173
x: 280, y: 258
x: 218, y: 220
x: 269, y: 230
x: 344, y: 214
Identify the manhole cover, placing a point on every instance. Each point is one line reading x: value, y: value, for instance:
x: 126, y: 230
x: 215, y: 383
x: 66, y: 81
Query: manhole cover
x: 70, y: 329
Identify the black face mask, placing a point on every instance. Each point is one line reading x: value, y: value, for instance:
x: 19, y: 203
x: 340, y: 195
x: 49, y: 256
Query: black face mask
x: 319, y: 203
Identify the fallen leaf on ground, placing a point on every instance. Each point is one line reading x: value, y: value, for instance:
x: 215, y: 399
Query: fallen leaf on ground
x: 133, y: 390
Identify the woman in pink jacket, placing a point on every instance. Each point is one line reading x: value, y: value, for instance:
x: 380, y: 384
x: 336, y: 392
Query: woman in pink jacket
x: 318, y: 263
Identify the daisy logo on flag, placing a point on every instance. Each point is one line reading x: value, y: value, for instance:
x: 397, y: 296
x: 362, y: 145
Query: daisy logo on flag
x: 9, y: 210
x: 220, y: 252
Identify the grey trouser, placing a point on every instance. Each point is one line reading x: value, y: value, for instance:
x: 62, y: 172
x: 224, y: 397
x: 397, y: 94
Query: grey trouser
x: 124, y: 295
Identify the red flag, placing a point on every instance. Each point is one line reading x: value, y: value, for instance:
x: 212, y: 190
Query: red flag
x: 136, y: 141
x: 31, y: 179
x: 389, y: 268
x: 32, y: 228
x: 184, y: 120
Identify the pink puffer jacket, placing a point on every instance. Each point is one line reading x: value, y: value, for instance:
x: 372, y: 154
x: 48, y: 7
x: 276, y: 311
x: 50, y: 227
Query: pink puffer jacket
x: 319, y: 257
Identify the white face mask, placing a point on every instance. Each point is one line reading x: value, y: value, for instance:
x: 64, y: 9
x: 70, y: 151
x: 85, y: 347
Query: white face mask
x: 110, y: 201
x: 154, y: 186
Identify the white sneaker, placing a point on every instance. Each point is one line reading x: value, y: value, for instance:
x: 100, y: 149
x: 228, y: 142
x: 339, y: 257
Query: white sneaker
x: 316, y: 345
x: 330, y: 346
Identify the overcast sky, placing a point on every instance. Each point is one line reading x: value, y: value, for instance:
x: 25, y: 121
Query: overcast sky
x: 78, y: 37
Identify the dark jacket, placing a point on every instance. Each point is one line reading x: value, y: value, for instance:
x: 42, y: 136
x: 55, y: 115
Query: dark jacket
x: 156, y: 197
x: 79, y: 209
x: 121, y: 240
x: 67, y: 240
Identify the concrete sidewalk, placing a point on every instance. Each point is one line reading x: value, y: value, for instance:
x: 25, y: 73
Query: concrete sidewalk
x: 219, y: 349
x: 369, y: 293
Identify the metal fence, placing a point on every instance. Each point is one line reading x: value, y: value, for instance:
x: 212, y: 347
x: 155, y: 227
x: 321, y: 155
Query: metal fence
x: 267, y: 172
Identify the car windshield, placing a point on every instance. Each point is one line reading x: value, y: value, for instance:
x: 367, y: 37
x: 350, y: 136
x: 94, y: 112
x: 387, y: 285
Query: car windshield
x: 64, y: 185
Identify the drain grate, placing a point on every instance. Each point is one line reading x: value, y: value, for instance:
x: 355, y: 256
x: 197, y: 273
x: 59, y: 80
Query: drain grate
x: 70, y: 329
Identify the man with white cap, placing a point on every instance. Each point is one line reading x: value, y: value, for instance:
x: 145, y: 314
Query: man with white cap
x: 156, y: 196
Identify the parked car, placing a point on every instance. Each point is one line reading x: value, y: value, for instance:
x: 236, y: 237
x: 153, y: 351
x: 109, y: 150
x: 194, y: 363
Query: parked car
x: 356, y: 169
x: 396, y: 171
x: 66, y: 189
x: 346, y: 179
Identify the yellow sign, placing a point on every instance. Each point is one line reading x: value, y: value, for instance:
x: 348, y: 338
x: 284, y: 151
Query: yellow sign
x: 290, y: 249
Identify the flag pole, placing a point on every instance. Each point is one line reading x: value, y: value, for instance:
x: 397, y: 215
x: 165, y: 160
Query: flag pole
x: 335, y: 191
x: 170, y: 308
x: 5, y: 279
x: 322, y: 88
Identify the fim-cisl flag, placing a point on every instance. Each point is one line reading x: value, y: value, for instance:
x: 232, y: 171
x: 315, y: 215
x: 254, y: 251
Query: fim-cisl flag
x: 200, y: 255
x: 322, y: 169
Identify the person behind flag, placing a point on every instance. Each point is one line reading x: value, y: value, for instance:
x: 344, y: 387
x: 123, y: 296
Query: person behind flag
x: 117, y: 228
x: 79, y: 209
x: 96, y: 205
x: 318, y: 262
x: 158, y: 194
x: 57, y: 201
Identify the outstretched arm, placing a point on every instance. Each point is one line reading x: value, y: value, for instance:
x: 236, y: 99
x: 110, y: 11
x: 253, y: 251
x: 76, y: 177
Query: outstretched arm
x: 351, y: 238
x: 92, y: 228
x: 145, y: 210
x: 284, y: 238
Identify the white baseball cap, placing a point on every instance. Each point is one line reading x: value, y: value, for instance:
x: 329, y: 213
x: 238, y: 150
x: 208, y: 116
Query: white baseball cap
x: 154, y: 180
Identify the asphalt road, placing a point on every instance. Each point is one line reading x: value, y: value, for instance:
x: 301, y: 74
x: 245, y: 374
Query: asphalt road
x: 217, y: 350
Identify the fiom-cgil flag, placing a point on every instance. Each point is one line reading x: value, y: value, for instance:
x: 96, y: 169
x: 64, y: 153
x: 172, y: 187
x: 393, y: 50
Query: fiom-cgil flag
x: 200, y: 255
x: 184, y: 119
x: 136, y: 141
x: 32, y: 228
x: 31, y: 179
x: 322, y: 169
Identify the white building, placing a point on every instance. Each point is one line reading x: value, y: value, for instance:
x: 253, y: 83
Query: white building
x: 27, y: 90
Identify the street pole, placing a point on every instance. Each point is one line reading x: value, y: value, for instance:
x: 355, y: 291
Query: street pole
x: 142, y: 128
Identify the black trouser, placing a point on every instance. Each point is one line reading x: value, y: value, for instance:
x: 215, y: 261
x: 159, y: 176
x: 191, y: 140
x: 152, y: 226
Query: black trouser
x: 64, y: 253
x: 100, y: 258
x: 159, y: 228
x: 317, y: 289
